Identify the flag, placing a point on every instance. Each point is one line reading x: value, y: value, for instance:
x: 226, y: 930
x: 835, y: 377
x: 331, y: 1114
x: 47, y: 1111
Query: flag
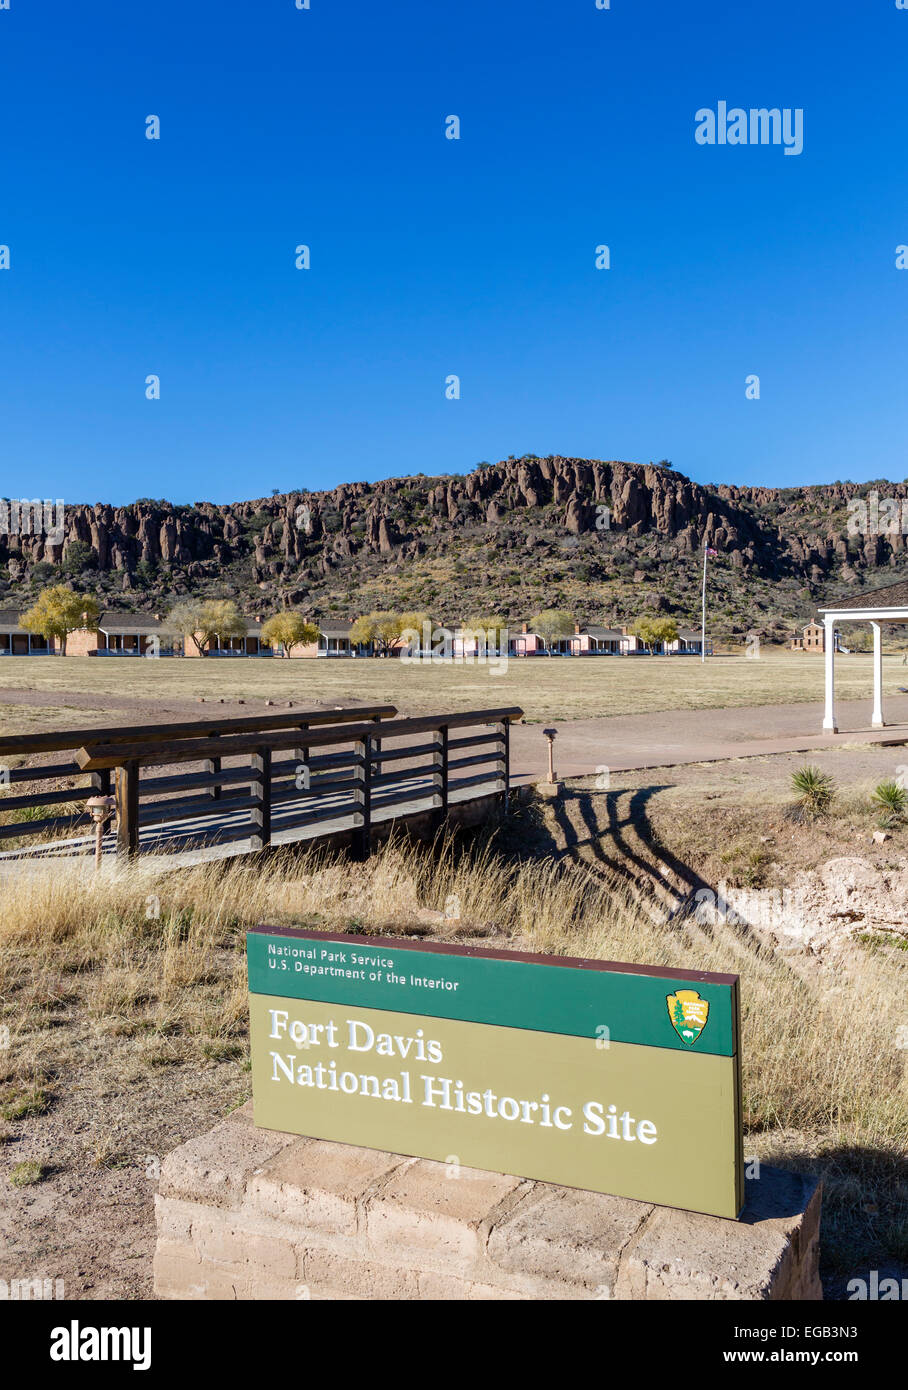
x: 710, y: 551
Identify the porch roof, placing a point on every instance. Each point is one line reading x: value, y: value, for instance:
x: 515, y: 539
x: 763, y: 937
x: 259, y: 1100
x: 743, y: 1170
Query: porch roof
x: 890, y: 599
x: 114, y: 624
x: 9, y: 621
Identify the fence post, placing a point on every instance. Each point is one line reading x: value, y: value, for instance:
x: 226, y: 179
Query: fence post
x: 261, y: 816
x: 213, y: 765
x: 127, y: 794
x: 100, y: 782
x: 443, y: 779
x: 506, y: 762
x: 301, y: 754
x: 363, y: 840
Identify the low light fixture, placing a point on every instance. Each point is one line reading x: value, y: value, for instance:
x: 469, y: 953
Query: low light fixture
x: 101, y: 809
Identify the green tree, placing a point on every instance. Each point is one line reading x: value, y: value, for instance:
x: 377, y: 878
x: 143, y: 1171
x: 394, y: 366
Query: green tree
x: 381, y: 628
x: 58, y: 611
x: 78, y: 557
x: 146, y: 573
x: 552, y: 625
x: 653, y: 631
x: 203, y: 620
x: 288, y: 630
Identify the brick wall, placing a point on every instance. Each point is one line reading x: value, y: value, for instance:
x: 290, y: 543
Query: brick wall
x: 246, y: 1213
x: 83, y: 641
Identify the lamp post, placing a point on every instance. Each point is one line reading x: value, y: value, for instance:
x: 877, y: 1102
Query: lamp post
x: 550, y: 734
x: 101, y: 808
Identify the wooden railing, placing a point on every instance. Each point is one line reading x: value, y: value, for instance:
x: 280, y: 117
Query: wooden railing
x: 353, y: 776
x: 150, y: 736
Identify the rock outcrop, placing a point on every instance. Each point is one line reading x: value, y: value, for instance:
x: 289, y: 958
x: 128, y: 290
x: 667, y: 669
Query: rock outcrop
x: 789, y: 545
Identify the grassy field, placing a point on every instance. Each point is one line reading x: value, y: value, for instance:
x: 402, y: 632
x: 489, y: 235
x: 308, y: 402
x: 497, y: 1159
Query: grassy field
x: 546, y: 688
x: 128, y: 1032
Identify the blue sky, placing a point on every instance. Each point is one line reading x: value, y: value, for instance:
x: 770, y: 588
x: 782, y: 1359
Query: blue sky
x: 431, y: 256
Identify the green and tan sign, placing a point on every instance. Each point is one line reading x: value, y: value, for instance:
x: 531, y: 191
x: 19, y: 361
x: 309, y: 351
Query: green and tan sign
x: 617, y: 1078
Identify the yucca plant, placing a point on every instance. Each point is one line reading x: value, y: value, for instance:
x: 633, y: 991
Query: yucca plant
x: 815, y: 789
x: 892, y: 801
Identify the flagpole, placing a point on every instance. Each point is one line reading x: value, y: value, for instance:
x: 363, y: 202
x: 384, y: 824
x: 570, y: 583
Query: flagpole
x: 703, y: 613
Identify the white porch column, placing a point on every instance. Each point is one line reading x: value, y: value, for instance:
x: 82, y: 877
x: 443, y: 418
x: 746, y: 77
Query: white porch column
x: 877, y: 717
x: 829, y: 724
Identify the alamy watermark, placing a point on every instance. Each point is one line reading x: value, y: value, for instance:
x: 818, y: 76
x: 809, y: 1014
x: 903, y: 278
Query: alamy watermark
x: 757, y: 126
x: 876, y: 1289
x: 76, y: 1342
x: 23, y: 516
x: 470, y: 646
x: 878, y: 516
x: 771, y: 908
x: 29, y: 1289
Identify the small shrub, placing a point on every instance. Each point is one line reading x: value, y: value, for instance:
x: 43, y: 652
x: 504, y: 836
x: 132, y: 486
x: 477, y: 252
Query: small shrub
x: 891, y: 800
x: 26, y: 1174
x: 27, y: 814
x: 815, y: 789
x: 103, y: 1156
x: 753, y: 871
x: 877, y: 940
x: 217, y: 1051
x: 20, y: 1104
x: 161, y: 1058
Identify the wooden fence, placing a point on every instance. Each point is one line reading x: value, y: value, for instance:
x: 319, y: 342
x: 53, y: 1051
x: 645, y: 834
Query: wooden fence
x: 68, y: 740
x: 283, y: 778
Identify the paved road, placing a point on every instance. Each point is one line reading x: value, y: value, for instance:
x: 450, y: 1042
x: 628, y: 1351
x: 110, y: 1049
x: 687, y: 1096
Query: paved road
x: 623, y: 743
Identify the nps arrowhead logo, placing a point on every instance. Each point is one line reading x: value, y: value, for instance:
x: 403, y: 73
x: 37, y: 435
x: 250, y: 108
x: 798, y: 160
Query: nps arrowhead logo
x: 688, y: 1014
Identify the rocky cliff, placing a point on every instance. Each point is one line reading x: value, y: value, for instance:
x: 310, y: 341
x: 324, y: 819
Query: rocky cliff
x: 607, y: 539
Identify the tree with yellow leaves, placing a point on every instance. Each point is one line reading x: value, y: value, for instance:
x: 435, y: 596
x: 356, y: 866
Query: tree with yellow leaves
x: 380, y: 629
x: 205, y: 620
x: 288, y: 630
x: 58, y: 611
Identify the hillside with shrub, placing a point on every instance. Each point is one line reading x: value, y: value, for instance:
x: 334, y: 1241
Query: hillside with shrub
x: 607, y: 541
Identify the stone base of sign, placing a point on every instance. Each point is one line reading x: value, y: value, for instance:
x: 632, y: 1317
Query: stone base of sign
x: 246, y: 1213
x: 550, y: 790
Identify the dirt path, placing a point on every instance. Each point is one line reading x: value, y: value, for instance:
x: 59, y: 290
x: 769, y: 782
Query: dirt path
x: 143, y: 710
x: 583, y: 746
x: 90, y: 1221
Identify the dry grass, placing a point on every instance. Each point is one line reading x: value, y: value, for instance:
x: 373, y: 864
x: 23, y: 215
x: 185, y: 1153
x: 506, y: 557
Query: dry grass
x: 555, y: 688
x: 124, y: 983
